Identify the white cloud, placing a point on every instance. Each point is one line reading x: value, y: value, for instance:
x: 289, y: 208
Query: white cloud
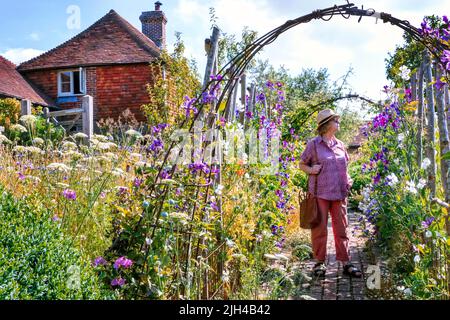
x: 19, y: 55
x: 336, y: 45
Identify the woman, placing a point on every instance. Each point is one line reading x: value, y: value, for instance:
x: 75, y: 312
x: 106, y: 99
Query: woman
x: 333, y: 185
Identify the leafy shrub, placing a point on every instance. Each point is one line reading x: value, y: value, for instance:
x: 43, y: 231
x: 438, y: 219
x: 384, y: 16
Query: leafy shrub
x: 37, y: 261
x: 9, y: 111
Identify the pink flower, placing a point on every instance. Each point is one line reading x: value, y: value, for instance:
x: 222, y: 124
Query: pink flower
x: 70, y: 194
x: 99, y: 261
x: 118, y: 282
x: 122, y: 262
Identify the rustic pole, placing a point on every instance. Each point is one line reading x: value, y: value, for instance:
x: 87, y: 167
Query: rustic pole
x: 414, y: 86
x: 431, y: 125
x: 443, y: 135
x: 88, y: 115
x: 25, y: 107
x: 420, y: 114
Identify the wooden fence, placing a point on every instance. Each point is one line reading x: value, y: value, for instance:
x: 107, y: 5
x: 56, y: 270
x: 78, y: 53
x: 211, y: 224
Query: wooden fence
x: 86, y: 113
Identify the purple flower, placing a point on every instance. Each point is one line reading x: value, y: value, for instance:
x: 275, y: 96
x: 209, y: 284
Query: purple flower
x: 428, y: 221
x: 260, y: 98
x: 214, y: 206
x: 99, y: 261
x: 274, y: 229
x: 439, y: 84
x: 156, y: 146
x: 137, y: 182
x: 377, y: 178
x: 279, y: 84
x: 270, y: 85
x: 118, y: 282
x: 445, y: 59
x: 445, y: 19
x: 165, y: 174
x: 188, y: 105
x: 21, y: 176
x: 122, y: 262
x: 70, y: 194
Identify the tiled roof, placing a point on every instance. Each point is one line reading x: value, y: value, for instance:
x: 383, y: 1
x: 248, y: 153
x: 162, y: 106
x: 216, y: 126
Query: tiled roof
x: 111, y: 40
x: 12, y: 84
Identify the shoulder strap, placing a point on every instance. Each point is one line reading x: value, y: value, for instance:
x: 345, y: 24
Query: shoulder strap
x: 316, y: 160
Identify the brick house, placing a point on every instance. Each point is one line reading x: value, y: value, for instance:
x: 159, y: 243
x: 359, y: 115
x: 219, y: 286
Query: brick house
x: 109, y: 61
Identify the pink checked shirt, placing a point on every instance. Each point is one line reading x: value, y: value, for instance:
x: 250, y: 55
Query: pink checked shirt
x: 333, y: 179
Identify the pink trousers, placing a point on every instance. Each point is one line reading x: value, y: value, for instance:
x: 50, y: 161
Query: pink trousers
x: 319, y: 234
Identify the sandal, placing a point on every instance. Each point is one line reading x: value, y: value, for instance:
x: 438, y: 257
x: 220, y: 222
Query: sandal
x: 352, y: 271
x: 319, y: 269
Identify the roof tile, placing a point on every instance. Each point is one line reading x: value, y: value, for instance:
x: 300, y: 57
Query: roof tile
x: 12, y: 84
x: 111, y: 40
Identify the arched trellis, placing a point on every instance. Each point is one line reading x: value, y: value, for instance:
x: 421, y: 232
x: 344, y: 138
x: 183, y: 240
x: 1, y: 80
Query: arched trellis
x: 237, y: 66
x: 233, y: 70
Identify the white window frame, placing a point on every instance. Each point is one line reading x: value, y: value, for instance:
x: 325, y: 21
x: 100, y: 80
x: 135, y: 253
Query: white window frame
x: 82, y: 83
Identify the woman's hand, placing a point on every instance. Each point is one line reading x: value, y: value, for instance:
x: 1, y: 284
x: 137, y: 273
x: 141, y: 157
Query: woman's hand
x: 315, y: 169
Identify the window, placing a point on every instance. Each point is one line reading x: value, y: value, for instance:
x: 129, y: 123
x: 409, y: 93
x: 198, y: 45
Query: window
x: 72, y: 82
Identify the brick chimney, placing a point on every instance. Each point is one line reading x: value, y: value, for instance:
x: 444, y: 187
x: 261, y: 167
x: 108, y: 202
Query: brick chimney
x: 154, y: 25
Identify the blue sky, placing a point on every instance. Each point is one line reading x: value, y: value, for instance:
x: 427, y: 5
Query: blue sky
x: 34, y: 27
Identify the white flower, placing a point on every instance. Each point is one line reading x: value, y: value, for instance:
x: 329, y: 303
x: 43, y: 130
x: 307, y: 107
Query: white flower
x: 404, y: 73
x: 392, y: 179
x: 422, y: 183
x: 118, y: 172
x: 281, y: 256
x: 4, y: 139
x: 229, y: 243
x: 38, y: 141
x: 136, y: 156
x: 148, y: 241
x: 417, y: 259
x: 80, y: 135
x: 400, y: 137
x: 226, y: 276
x: 428, y: 234
x: 68, y: 145
x: 407, y: 292
x: 100, y: 137
x: 28, y: 119
x: 411, y: 187
x: 18, y: 127
x: 219, y: 189
x: 425, y: 163
x: 133, y: 133
x: 34, y: 150
x: 58, y: 167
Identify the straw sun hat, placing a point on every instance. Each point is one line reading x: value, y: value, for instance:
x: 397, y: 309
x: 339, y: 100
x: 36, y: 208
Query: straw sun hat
x: 326, y: 115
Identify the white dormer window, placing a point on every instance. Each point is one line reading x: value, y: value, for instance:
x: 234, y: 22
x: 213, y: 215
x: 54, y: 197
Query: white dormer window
x: 72, y: 82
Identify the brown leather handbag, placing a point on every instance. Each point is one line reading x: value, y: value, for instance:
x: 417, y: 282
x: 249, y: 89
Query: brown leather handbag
x: 309, y: 210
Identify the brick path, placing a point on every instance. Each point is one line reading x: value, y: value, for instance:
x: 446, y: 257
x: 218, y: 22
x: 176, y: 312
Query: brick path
x: 335, y: 285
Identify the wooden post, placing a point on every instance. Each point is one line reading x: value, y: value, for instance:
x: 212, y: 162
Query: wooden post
x: 420, y: 114
x: 431, y: 125
x: 443, y: 135
x: 25, y: 107
x: 414, y: 86
x: 88, y: 115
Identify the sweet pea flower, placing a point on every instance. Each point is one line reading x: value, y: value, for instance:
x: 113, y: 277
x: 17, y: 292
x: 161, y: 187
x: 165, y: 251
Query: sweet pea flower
x: 122, y: 262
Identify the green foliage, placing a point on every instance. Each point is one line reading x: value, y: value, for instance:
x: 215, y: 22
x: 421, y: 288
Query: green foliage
x: 37, y: 261
x: 36, y: 127
x: 9, y: 111
x: 173, y: 78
